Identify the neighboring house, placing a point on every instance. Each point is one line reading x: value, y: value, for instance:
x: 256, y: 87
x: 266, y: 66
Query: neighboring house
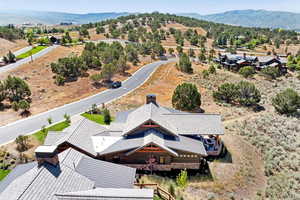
x: 235, y: 61
x: 150, y: 137
x: 70, y: 175
x: 55, y: 39
x: 271, y: 61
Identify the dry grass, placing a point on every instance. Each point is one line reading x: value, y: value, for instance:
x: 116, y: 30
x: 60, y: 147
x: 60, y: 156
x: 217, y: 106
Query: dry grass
x: 6, y: 46
x: 45, y: 93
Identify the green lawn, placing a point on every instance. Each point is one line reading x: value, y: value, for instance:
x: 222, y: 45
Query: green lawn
x: 94, y: 117
x: 3, y: 173
x: 40, y: 135
x: 33, y: 51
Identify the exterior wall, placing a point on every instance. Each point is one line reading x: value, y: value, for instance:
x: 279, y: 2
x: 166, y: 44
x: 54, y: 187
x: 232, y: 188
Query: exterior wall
x: 142, y: 158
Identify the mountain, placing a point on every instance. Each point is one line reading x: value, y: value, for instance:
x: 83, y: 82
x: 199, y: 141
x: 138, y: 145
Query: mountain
x: 50, y: 18
x: 253, y: 18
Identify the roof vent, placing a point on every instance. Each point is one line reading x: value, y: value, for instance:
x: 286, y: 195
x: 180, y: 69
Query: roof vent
x: 151, y: 98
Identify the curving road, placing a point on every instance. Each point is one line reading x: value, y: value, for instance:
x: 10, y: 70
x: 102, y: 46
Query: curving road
x: 25, y: 60
x: 29, y: 125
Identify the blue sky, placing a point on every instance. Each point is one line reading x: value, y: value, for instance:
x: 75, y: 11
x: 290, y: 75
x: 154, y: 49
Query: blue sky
x: 171, y: 6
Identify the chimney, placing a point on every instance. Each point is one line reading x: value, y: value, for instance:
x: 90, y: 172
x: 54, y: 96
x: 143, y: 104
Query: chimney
x: 151, y: 98
x: 245, y: 55
x: 47, y: 154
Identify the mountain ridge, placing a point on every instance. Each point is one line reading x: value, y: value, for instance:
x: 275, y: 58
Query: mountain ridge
x: 253, y: 18
x: 248, y: 18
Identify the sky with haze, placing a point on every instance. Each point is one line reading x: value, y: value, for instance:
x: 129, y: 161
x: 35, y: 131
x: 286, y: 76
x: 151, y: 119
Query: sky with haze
x: 170, y: 6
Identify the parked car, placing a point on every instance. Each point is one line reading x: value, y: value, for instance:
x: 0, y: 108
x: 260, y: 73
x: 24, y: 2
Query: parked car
x: 116, y: 84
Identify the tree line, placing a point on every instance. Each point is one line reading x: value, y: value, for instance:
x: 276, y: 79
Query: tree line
x: 109, y: 58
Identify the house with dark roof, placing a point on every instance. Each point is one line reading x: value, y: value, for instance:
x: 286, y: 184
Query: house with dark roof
x: 235, y: 62
x: 150, y: 137
x: 70, y: 175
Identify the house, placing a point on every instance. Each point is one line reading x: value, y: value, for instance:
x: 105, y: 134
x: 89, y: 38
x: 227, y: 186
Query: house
x: 271, y: 61
x: 148, y: 138
x: 235, y: 61
x: 70, y: 175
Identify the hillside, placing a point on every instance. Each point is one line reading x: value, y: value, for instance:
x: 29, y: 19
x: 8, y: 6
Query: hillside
x: 254, y: 18
x: 20, y: 17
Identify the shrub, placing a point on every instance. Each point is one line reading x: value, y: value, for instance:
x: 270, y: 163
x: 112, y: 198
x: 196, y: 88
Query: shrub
x: 185, y: 64
x: 24, y: 105
x: 271, y: 72
x: 212, y: 69
x: 205, y: 73
x: 247, y: 71
x: 22, y: 143
x: 287, y: 102
x: 186, y: 97
x: 59, y: 80
x: 49, y: 120
x: 182, y: 179
x: 226, y: 93
x: 107, y: 117
x: 17, y: 89
x: 67, y: 118
x: 172, y: 189
x: 247, y: 94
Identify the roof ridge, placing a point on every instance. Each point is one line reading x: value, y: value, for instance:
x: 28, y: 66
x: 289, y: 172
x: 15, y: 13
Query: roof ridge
x: 78, y: 126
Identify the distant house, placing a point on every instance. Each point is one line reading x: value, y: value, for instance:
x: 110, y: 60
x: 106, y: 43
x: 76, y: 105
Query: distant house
x: 235, y: 61
x: 149, y: 138
x: 271, y: 61
x: 55, y: 39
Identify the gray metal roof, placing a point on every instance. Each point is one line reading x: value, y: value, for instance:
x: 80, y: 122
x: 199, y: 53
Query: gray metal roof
x: 43, y: 182
x: 192, y: 124
x: 145, y: 113
x: 17, y: 172
x: 76, y: 172
x: 105, y: 174
x: 109, y: 194
x: 177, y: 122
x: 186, y: 144
x: 123, y: 145
x: 151, y: 136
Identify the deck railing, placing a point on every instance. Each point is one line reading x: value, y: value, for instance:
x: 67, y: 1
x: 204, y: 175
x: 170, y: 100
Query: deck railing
x: 157, y: 190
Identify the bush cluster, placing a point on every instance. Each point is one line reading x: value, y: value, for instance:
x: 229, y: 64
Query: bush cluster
x: 244, y: 93
x: 17, y: 92
x: 186, y: 97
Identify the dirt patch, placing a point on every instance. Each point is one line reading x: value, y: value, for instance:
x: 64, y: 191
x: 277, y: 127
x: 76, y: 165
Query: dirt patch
x: 6, y: 46
x: 162, y: 82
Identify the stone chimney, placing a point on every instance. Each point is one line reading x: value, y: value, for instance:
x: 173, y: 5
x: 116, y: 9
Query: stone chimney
x: 47, y: 154
x: 151, y: 98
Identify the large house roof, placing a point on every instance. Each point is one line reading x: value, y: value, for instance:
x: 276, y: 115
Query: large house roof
x: 75, y: 173
x: 181, y: 143
x: 176, y: 122
x: 95, y: 139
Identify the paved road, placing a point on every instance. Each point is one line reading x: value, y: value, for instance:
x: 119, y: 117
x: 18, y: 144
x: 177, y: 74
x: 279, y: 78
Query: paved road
x: 33, y: 123
x: 26, y: 60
